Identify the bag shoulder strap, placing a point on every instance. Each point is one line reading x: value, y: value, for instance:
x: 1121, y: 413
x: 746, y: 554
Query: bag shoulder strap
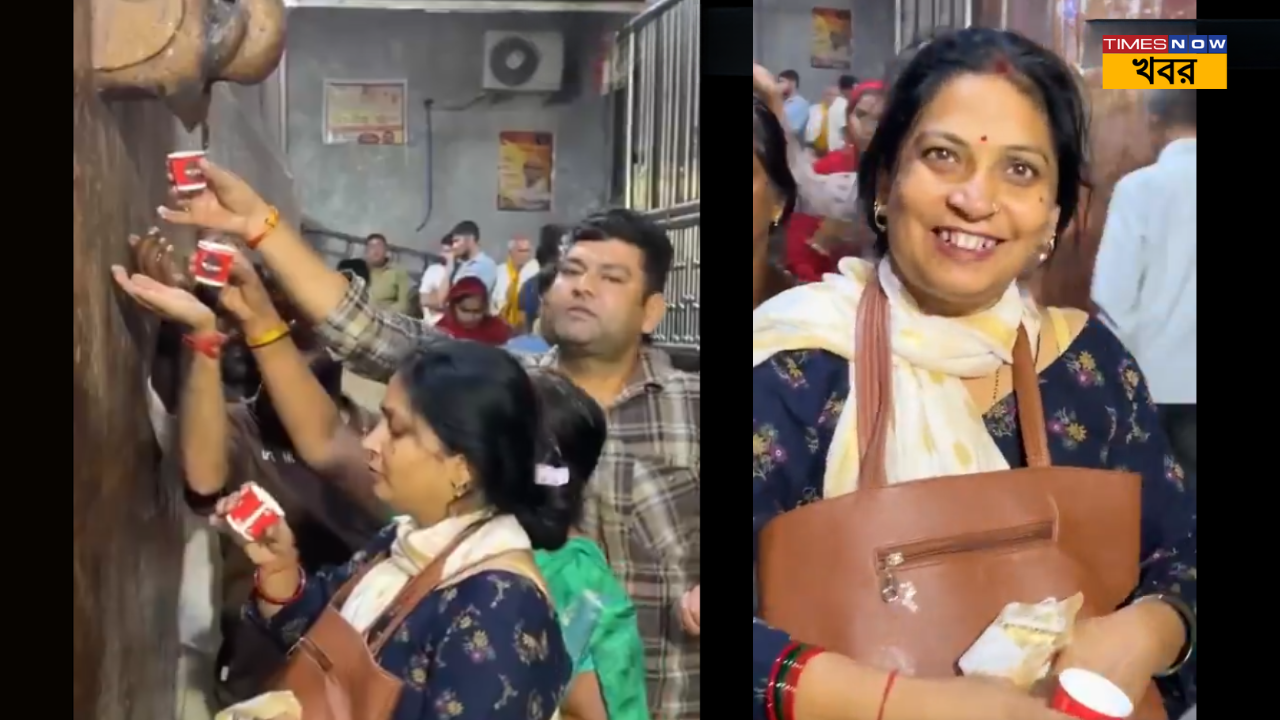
x: 1026, y: 389
x: 430, y: 580
x: 873, y: 388
x: 422, y: 585
x: 873, y: 383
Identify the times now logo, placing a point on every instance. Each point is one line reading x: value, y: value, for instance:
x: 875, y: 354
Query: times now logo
x: 1135, y: 43
x: 1164, y: 44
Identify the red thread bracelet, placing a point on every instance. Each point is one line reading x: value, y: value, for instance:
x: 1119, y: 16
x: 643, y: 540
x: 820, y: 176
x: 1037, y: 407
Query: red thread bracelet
x: 297, y: 593
x: 770, y: 711
x: 888, y: 688
x: 792, y: 681
x: 206, y: 342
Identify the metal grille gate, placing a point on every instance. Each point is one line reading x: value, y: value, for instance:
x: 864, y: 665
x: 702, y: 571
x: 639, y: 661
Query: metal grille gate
x: 919, y: 19
x: 656, y: 68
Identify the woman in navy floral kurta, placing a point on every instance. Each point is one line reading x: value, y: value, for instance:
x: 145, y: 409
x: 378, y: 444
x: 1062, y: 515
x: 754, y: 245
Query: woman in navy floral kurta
x: 487, y: 648
x: 1099, y: 415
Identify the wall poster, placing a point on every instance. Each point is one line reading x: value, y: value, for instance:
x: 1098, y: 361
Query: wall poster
x: 366, y: 112
x: 831, y: 43
x: 526, y: 161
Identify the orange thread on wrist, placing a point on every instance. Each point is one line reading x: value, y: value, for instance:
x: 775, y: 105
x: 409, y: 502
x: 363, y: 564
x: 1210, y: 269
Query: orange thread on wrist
x: 269, y: 224
x: 884, y: 698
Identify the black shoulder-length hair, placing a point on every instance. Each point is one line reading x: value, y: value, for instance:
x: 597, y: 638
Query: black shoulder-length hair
x: 482, y: 405
x: 1035, y: 70
x: 769, y: 143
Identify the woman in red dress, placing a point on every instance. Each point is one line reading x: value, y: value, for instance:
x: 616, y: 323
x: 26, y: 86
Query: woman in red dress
x: 815, y: 244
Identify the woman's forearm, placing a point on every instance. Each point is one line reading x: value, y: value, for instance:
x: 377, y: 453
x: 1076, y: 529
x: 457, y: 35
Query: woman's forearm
x: 202, y: 426
x: 308, y: 414
x: 834, y: 687
x: 314, y: 287
x: 312, y: 418
x: 278, y: 583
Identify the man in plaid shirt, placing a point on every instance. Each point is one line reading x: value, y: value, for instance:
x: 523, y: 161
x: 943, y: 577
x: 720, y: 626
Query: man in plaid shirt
x: 643, y: 508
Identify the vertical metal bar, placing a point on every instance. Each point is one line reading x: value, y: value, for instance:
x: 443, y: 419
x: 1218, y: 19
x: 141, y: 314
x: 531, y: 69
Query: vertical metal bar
x: 669, y: 99
x: 629, y: 125
x: 968, y: 13
x: 679, y: 44
x: 690, y: 65
x: 695, y: 96
x: 650, y: 60
x: 1004, y: 14
x: 897, y: 26
x: 282, y: 74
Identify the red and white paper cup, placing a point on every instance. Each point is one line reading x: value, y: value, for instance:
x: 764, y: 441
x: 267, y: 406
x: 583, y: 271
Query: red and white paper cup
x: 184, y: 168
x: 212, y: 263
x: 1089, y: 696
x: 254, y: 513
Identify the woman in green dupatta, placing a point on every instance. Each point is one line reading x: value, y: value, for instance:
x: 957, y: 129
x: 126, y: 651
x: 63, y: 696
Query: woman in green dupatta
x: 596, y: 614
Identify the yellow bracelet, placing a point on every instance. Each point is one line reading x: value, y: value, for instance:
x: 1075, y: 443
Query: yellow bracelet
x: 267, y: 338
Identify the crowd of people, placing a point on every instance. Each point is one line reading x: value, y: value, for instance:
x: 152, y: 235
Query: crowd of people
x: 512, y: 535
x: 913, y: 354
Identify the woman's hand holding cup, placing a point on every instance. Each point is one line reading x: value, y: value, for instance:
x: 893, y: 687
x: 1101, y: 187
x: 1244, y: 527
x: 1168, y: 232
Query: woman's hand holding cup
x: 228, y: 204
x: 246, y: 298
x: 276, y: 550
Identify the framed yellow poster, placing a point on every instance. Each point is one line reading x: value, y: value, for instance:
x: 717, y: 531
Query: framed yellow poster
x: 831, y: 44
x: 366, y: 112
x: 526, y: 169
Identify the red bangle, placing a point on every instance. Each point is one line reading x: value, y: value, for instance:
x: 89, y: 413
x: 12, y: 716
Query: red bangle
x: 257, y: 589
x: 888, y: 688
x: 208, y: 343
x: 792, y: 681
x: 770, y: 710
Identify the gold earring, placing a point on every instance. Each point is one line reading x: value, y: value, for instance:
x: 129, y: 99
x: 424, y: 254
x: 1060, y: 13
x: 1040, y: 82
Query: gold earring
x: 879, y: 217
x: 461, y: 490
x: 1048, y: 251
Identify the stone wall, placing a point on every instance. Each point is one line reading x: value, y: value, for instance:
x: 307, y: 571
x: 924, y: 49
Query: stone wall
x: 126, y: 540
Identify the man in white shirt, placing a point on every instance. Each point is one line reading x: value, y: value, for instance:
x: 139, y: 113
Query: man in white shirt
x: 434, y: 278
x: 465, y: 259
x: 1145, y: 279
x: 838, y: 114
x: 519, y: 269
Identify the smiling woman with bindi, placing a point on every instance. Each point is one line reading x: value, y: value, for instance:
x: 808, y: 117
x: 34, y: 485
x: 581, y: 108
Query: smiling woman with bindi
x: 975, y: 169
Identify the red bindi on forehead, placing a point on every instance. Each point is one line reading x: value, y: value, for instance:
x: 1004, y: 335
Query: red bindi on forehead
x: 1001, y: 66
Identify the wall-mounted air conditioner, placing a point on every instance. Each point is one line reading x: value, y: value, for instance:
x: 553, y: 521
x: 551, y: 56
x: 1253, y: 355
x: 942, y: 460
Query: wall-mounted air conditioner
x: 523, y: 61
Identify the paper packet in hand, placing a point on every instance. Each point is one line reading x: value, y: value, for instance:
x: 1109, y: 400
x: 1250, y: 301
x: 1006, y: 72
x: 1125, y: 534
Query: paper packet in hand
x: 1020, y: 645
x: 264, y: 707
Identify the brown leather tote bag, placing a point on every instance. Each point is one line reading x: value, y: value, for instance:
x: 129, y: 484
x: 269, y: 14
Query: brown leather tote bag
x: 908, y: 576
x: 334, y: 671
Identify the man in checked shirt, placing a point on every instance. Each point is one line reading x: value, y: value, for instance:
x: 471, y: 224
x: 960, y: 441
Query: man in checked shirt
x: 607, y: 296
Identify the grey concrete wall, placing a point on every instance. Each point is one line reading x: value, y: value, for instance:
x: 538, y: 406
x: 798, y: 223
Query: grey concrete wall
x: 782, y: 29
x: 363, y: 189
x: 244, y: 136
